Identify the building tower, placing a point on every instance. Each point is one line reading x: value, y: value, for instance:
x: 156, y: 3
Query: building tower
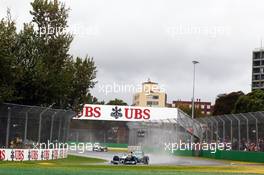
x: 258, y: 69
x: 150, y: 95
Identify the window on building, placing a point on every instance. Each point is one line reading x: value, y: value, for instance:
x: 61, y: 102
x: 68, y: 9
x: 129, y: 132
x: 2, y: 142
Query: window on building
x: 262, y: 84
x: 202, y: 106
x: 208, y: 106
x: 256, y: 63
x: 152, y: 103
x: 149, y: 97
x: 152, y: 97
x: 256, y: 77
x: 155, y: 97
x: 256, y: 70
x: 256, y: 55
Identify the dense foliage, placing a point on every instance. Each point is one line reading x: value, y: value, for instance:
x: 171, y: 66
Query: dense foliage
x: 225, y: 103
x: 36, y: 67
x: 118, y: 102
x: 238, y: 102
x: 252, y: 102
x: 188, y: 110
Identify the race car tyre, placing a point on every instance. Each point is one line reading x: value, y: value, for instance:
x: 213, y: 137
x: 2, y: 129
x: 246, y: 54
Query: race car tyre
x: 146, y: 160
x: 115, y: 158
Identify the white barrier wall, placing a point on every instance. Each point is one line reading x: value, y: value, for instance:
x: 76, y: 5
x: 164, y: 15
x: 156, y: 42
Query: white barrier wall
x: 126, y: 113
x: 32, y: 154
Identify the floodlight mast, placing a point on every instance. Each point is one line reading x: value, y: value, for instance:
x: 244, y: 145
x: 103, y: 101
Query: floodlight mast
x: 194, y: 63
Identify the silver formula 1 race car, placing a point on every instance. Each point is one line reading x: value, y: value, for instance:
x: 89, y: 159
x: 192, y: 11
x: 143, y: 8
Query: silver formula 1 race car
x: 133, y: 158
x: 100, y: 148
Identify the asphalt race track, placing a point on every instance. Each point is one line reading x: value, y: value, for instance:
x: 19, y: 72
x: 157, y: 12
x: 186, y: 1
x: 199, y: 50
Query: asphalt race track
x: 158, y: 159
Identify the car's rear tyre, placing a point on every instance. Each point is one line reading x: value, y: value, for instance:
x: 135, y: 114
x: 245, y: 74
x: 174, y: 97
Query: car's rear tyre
x: 146, y: 160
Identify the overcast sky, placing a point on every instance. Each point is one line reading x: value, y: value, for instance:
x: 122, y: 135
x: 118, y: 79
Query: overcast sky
x: 134, y: 40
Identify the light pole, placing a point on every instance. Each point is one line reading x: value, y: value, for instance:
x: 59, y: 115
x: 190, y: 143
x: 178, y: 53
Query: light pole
x: 194, y: 63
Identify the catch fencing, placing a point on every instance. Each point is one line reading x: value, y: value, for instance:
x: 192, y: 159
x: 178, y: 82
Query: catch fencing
x: 245, y: 131
x: 23, y: 126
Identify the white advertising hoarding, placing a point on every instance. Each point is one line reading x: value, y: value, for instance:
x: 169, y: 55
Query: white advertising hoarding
x: 32, y: 154
x: 126, y: 113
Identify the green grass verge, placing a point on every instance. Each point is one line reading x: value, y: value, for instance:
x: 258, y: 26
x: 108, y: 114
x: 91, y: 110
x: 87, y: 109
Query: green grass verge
x: 75, y: 165
x: 71, y: 161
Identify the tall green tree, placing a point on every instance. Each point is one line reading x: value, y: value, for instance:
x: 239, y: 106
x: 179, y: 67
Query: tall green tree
x: 9, y: 71
x: 37, y: 68
x: 252, y: 102
x: 225, y: 103
x: 118, y: 102
x: 53, y: 42
x: 31, y: 67
x: 82, y: 80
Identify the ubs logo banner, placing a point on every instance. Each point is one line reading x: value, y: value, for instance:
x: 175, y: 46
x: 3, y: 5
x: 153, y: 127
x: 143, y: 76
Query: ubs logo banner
x: 32, y: 154
x: 46, y: 154
x: 2, y: 154
x: 116, y: 112
x: 125, y: 113
x: 19, y: 155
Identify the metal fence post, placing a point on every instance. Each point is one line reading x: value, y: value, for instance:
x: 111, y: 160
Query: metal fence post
x: 212, y: 130
x: 217, y: 130
x: 8, y: 126
x: 247, y: 127
x: 77, y: 137
x: 223, y: 121
x: 51, y: 127
x: 239, y: 134
x: 231, y: 128
x: 39, y: 129
x: 26, y: 124
x: 59, y: 130
x: 206, y: 131
x: 40, y: 123
x: 65, y: 126
x: 68, y: 130
x: 257, y: 142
